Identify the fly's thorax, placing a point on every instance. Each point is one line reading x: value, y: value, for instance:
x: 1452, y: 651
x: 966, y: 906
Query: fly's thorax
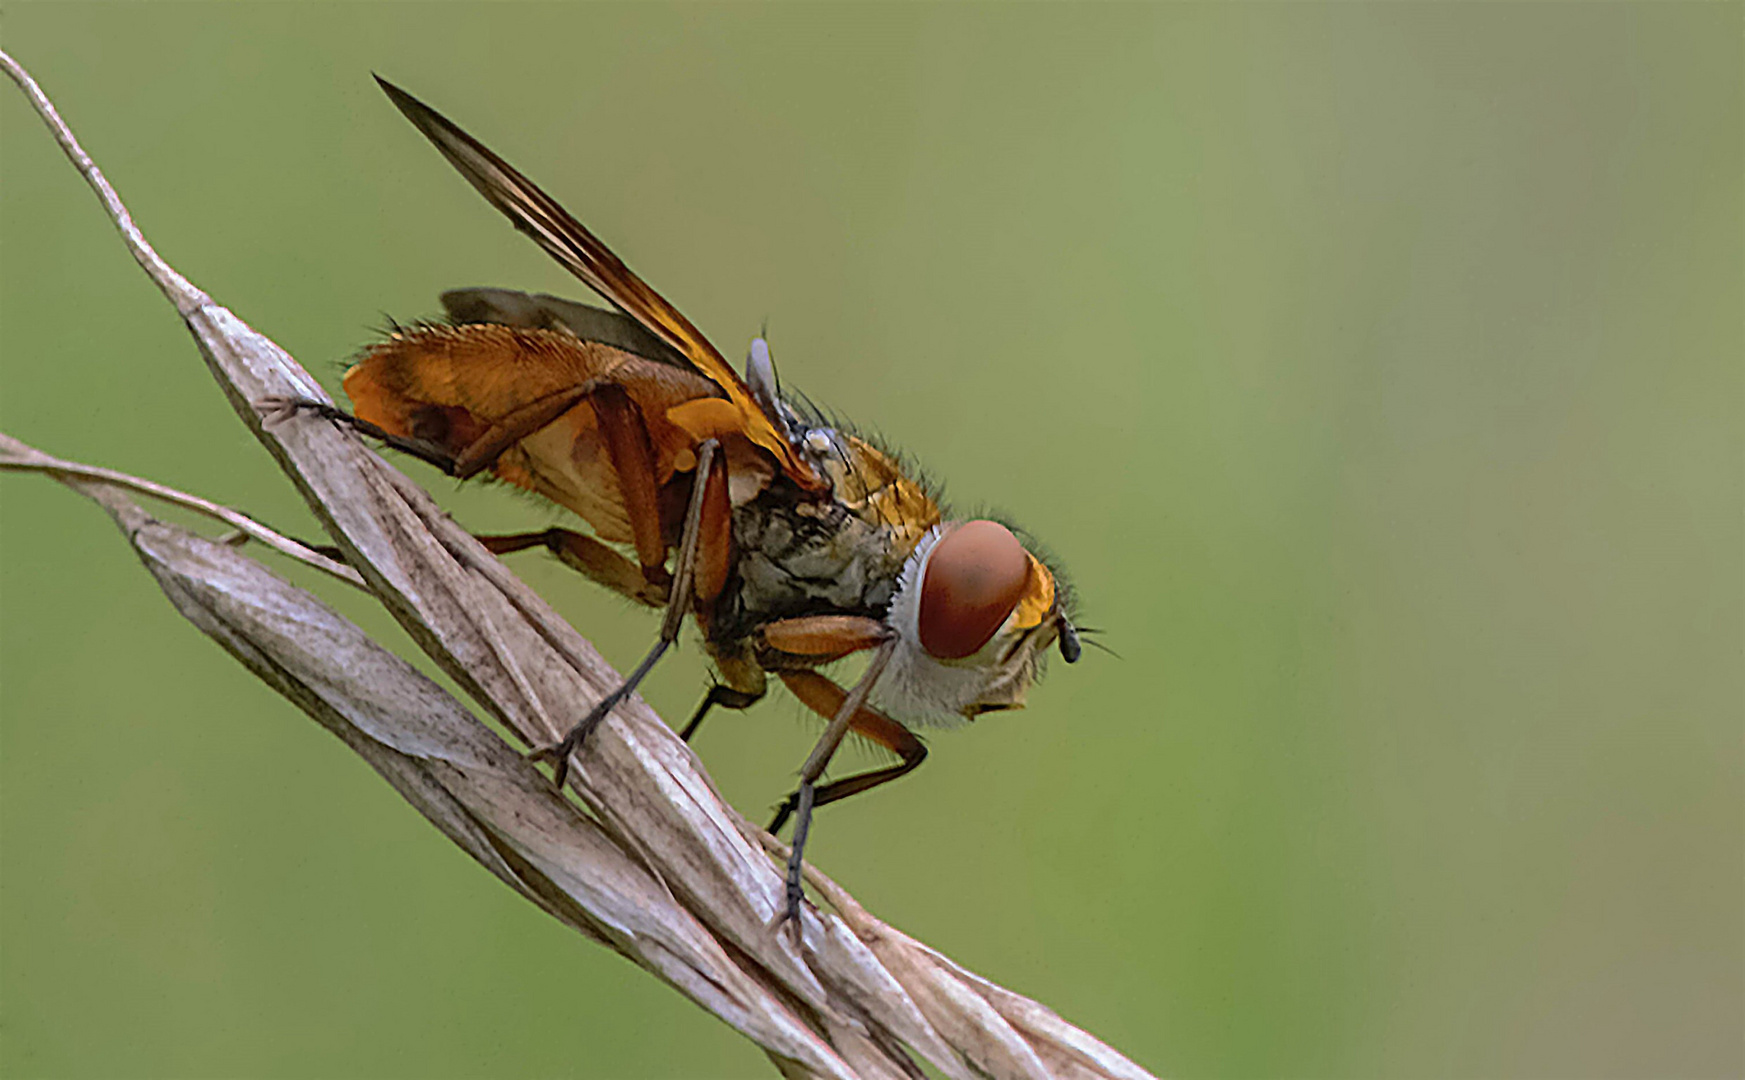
x: 796, y: 556
x: 873, y: 485
x: 984, y: 654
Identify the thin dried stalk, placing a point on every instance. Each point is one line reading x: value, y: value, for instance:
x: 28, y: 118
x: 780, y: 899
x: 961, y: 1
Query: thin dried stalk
x: 17, y: 457
x: 663, y: 871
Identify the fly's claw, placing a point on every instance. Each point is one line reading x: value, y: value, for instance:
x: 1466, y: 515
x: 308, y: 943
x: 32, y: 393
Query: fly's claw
x: 558, y: 753
x: 277, y: 409
x: 558, y: 756
x: 788, y: 917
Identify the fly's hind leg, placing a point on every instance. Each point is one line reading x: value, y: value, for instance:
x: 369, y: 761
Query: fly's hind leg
x: 627, y: 441
x: 434, y: 453
x: 428, y: 446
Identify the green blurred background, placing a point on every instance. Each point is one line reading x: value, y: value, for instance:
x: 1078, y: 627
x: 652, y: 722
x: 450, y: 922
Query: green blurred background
x: 1376, y: 370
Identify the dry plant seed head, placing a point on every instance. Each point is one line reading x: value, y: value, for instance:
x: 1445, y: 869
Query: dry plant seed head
x: 679, y: 885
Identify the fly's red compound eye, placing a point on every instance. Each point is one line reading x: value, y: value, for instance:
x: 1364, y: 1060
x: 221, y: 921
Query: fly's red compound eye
x: 975, y: 576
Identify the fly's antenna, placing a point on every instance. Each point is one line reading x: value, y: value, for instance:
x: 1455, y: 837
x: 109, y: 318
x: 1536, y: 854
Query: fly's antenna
x: 1088, y: 635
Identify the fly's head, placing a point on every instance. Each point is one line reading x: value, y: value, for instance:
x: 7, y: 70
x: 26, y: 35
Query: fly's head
x: 974, y: 616
x: 974, y: 611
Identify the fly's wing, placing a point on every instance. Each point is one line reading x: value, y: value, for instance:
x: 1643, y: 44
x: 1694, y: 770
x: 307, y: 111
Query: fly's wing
x: 566, y: 240
x: 539, y: 311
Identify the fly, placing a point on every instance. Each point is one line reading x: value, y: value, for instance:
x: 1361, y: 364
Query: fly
x: 789, y: 539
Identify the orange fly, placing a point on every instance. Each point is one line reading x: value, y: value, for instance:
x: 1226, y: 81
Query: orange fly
x: 791, y: 541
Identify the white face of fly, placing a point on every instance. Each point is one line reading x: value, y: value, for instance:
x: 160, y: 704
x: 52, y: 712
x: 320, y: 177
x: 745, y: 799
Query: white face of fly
x: 972, y: 620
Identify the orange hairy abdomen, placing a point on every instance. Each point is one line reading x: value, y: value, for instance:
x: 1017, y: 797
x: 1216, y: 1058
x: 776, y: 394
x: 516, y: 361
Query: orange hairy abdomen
x: 449, y: 384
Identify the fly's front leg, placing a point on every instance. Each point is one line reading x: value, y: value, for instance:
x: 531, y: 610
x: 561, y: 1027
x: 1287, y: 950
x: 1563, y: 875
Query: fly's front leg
x: 806, y: 797
x: 824, y: 697
x: 792, y: 647
x: 818, y: 639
